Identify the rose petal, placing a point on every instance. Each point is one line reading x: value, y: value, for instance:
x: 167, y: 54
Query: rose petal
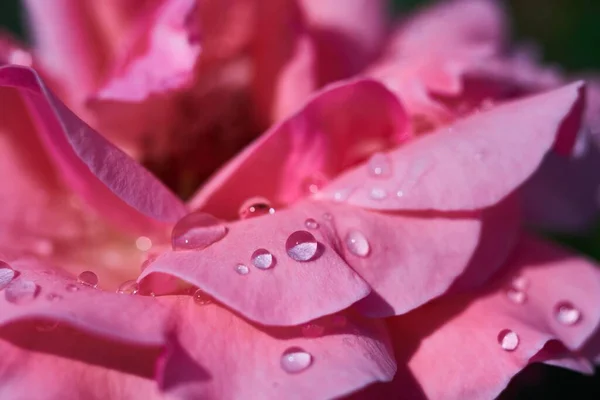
x: 443, y: 341
x: 473, y: 163
x: 338, y: 127
x: 101, y: 173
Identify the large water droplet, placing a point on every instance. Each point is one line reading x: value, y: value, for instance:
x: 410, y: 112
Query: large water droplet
x: 357, y: 243
x: 21, y: 291
x: 197, y: 231
x: 301, y: 246
x: 129, y: 287
x: 201, y: 298
x: 566, y: 313
x: 310, y: 223
x: 314, y: 183
x: 515, y: 295
x: 7, y: 274
x: 88, y: 278
x: 508, y: 340
x: 242, y: 269
x: 378, y: 193
x: 312, y: 330
x: 262, y: 259
x: 295, y: 360
x: 380, y: 166
x: 255, y: 207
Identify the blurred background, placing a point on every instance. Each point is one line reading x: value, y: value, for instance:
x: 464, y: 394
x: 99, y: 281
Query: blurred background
x: 567, y: 33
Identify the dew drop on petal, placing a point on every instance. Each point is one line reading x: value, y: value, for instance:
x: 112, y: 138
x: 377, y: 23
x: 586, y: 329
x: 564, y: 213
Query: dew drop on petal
x: 566, y: 313
x: 21, y: 291
x: 301, y: 246
x: 143, y: 243
x: 342, y: 195
x: 400, y: 193
x: 357, y: 243
x: 508, y: 340
x: 380, y: 166
x: 46, y: 326
x: 242, y: 269
x: 295, y: 360
x: 314, y: 183
x: 71, y: 287
x: 147, y: 262
x: 327, y: 217
x: 88, y: 278
x: 53, y: 297
x: 312, y: 330
x: 378, y: 193
x: 197, y: 231
x: 520, y: 282
x: 262, y: 259
x: 7, y: 274
x: 129, y: 287
x: 311, y: 223
x: 255, y: 207
x: 516, y: 296
x: 201, y: 298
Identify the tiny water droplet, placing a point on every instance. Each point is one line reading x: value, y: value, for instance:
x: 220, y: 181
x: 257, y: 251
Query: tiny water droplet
x: 515, y: 295
x: 71, y: 287
x: 312, y: 330
x: 255, y: 207
x: 378, y: 193
x: 339, y: 321
x: 399, y: 193
x: 508, y: 340
x: 295, y: 360
x: 143, y: 243
x: 262, y: 259
x: 310, y: 223
x: 357, y: 243
x: 46, y: 326
x: 88, y: 278
x: 327, y: 217
x: 21, y: 291
x: 201, y: 298
x: 380, y: 165
x: 53, y: 297
x: 301, y: 246
x: 7, y: 274
x: 314, y: 183
x: 342, y: 195
x: 242, y: 269
x: 520, y: 282
x: 566, y: 313
x: 197, y: 231
x: 129, y: 287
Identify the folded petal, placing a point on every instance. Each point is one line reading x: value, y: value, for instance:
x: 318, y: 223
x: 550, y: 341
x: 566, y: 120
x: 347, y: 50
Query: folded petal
x: 102, y: 174
x: 338, y: 127
x: 471, y: 164
x: 470, y: 346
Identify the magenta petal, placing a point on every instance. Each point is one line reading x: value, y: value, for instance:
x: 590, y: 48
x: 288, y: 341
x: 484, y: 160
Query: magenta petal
x: 451, y: 347
x: 243, y: 361
x: 338, y: 127
x: 102, y: 174
x: 475, y: 162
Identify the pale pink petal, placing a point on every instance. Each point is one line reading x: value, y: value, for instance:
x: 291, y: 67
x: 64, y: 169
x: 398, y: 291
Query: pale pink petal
x: 94, y: 168
x: 473, y: 163
x: 338, y: 127
x: 451, y: 346
x: 161, y: 57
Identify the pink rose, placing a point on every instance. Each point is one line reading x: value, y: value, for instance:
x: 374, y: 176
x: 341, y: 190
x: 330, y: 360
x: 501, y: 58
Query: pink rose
x: 345, y: 252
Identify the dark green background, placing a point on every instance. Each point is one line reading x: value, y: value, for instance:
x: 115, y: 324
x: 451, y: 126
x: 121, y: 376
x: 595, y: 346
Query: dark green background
x: 567, y: 31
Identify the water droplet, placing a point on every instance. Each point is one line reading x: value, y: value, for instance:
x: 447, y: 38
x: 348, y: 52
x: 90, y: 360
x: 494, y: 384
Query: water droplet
x: 380, y: 165
x: 520, y: 282
x: 311, y: 223
x: 201, y: 298
x: 255, y: 207
x: 147, y: 262
x: 508, y: 340
x: 399, y: 193
x: 357, y: 243
x: 46, y: 326
x: 301, y: 246
x: 339, y: 321
x: 21, y: 291
x: 7, y: 274
x: 295, y: 360
x: 129, y: 287
x: 566, y: 313
x: 515, y: 295
x: 88, y: 278
x: 53, y: 297
x: 197, y: 231
x: 378, y: 193
x: 314, y: 183
x: 327, y: 217
x: 312, y: 330
x: 71, y: 287
x: 242, y: 269
x: 143, y: 243
x: 342, y: 195
x: 262, y: 259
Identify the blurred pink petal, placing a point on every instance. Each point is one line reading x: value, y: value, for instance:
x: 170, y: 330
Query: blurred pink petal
x: 94, y: 168
x: 12, y: 52
x: 454, y: 349
x: 473, y: 163
x: 338, y: 127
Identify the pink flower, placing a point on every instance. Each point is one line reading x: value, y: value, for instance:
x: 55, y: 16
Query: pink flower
x: 344, y: 253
